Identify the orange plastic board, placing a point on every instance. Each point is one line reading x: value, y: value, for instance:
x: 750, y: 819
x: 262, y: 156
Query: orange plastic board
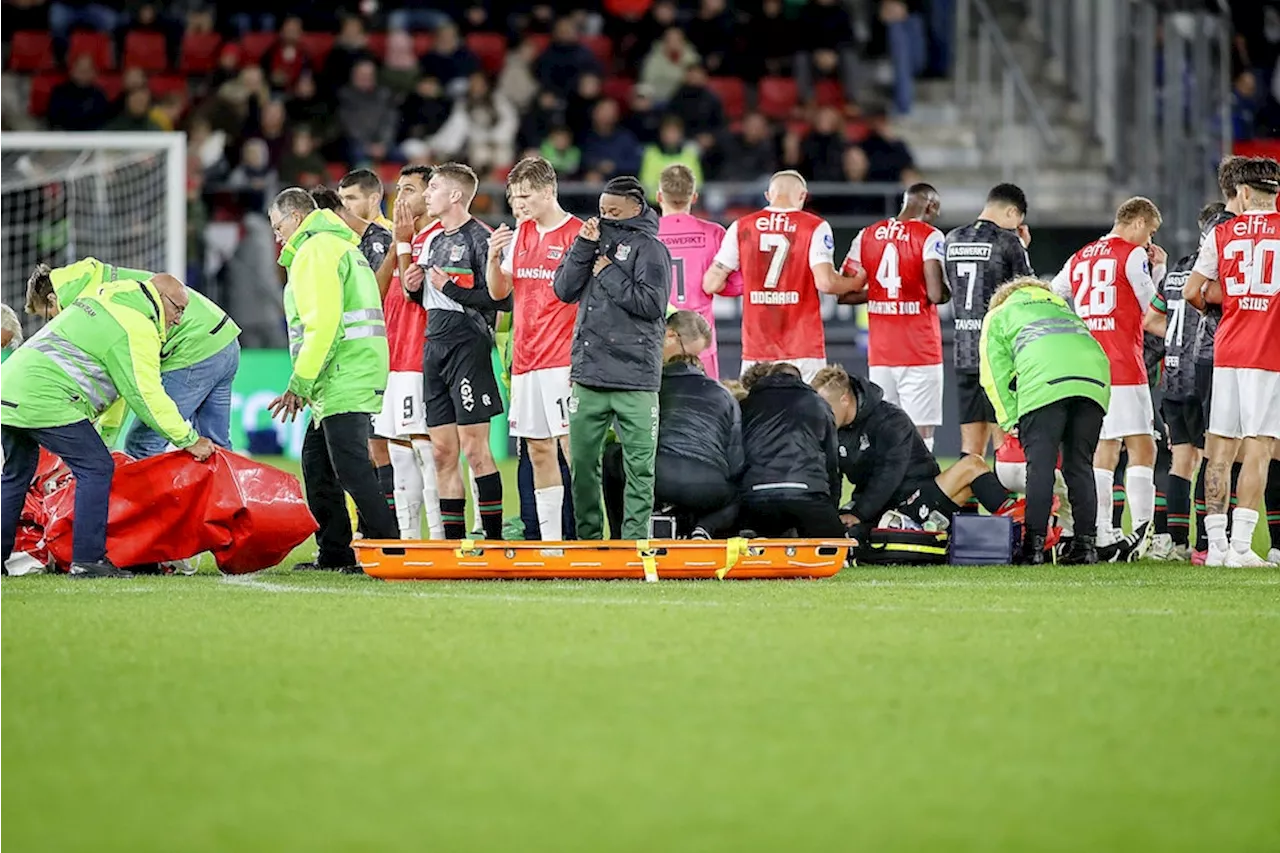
x: 658, y: 559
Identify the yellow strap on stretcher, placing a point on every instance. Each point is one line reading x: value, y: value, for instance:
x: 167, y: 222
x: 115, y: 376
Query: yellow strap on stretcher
x: 648, y: 560
x: 734, y: 548
x: 465, y: 547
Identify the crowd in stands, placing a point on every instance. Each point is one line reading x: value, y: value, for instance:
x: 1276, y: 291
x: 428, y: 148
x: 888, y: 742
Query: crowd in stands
x: 1255, y: 93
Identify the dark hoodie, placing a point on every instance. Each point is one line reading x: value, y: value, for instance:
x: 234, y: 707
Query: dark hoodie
x: 882, y: 454
x: 699, y: 420
x: 617, y: 342
x: 788, y: 439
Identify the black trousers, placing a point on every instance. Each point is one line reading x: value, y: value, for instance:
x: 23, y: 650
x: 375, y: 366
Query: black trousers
x: 772, y: 512
x: 335, y: 458
x: 1069, y: 427
x: 699, y: 494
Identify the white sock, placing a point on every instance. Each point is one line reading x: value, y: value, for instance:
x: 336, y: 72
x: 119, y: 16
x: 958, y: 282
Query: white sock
x: 1215, y: 528
x: 550, y: 503
x: 408, y: 486
x: 1243, y: 522
x: 1140, y: 486
x: 430, y: 489
x: 476, y: 527
x: 1065, y: 518
x: 928, y: 442
x: 1103, y: 479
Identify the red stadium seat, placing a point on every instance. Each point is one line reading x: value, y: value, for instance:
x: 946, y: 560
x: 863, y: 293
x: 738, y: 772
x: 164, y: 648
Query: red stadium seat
x: 541, y: 40
x: 145, y: 50
x: 490, y: 49
x: 602, y: 47
x: 422, y: 43
x: 777, y: 96
x: 97, y: 45
x: 41, y: 88
x: 167, y: 84
x: 618, y: 88
x: 317, y: 46
x: 32, y: 50
x: 388, y: 173
x: 856, y: 131
x: 335, y: 171
x: 829, y: 93
x: 111, y: 85
x: 200, y: 53
x: 255, y: 45
x: 732, y: 94
x: 378, y: 45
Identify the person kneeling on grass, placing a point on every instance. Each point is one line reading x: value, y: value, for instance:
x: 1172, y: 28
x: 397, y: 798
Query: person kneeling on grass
x: 889, y: 466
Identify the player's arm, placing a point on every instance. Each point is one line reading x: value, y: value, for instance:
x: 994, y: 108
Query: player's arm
x: 822, y: 263
x: 318, y: 298
x: 888, y: 470
x: 726, y: 262
x: 1138, y: 270
x: 500, y: 265
x: 935, y: 277
x: 995, y: 369
x: 574, y: 273
x: 646, y: 295
x: 1061, y: 284
x: 1202, y: 285
x: 1156, y: 320
x: 385, y: 272
x: 134, y: 368
x: 852, y: 268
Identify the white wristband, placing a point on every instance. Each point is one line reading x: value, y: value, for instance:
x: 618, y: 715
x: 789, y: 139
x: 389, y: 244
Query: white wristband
x: 404, y: 248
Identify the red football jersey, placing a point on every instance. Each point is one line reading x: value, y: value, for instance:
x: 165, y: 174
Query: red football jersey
x: 902, y: 324
x: 542, y: 330
x: 777, y: 251
x: 406, y: 321
x: 1110, y: 283
x: 1243, y: 255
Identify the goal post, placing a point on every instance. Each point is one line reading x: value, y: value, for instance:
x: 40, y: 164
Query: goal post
x: 118, y: 197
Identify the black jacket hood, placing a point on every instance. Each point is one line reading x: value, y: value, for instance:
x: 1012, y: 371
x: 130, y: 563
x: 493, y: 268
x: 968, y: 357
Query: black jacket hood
x: 646, y: 222
x: 868, y: 396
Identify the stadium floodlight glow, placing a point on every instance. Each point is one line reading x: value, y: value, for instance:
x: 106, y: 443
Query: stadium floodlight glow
x: 119, y: 197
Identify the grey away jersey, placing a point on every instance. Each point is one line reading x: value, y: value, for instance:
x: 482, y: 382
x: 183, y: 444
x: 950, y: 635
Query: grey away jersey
x: 374, y: 244
x: 1209, y: 318
x: 1182, y: 323
x: 980, y: 258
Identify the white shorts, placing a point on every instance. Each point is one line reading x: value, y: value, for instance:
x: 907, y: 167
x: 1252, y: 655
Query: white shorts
x: 540, y: 403
x: 808, y: 367
x: 917, y: 390
x: 1130, y: 413
x: 403, y: 413
x: 1246, y: 403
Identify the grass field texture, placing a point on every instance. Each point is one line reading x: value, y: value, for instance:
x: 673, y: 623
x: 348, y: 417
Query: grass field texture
x: 1103, y: 708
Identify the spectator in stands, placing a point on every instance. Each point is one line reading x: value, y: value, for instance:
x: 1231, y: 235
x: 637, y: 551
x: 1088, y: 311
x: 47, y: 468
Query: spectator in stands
x: 351, y: 46
x: 79, y: 103
x: 489, y: 127
x: 672, y: 147
x: 167, y: 112
x: 609, y: 150
x: 888, y: 158
x: 634, y: 37
x: 286, y: 59
x: 425, y: 111
x: 770, y: 42
x: 1244, y: 106
x: 547, y: 112
x: 302, y: 165
x: 271, y: 129
x: 558, y: 150
x: 243, y: 16
x: 306, y: 107
x: 449, y: 60
x: 565, y: 59
x: 64, y: 15
x: 828, y: 48
x: 643, y: 118
x: 137, y: 113
x: 400, y: 65
x: 245, y: 95
x: 144, y: 16
x: 254, y: 176
x: 131, y: 79
x: 517, y: 82
x: 713, y: 32
x: 228, y: 67
x: 824, y: 147
x: 791, y: 150
x: 367, y: 115
x: 206, y: 149
x: 751, y: 154
x: 854, y: 171
x: 904, y: 26
x: 412, y: 16
x: 666, y: 63
x: 698, y: 107
x: 581, y: 103
x: 197, y: 221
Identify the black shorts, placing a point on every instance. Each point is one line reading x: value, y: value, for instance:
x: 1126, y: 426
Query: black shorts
x: 975, y: 407
x: 1186, y: 420
x: 1204, y: 388
x: 458, y: 383
x: 925, y: 498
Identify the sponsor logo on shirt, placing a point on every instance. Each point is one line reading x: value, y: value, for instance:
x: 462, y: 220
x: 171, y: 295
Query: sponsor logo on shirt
x: 969, y: 252
x: 536, y: 273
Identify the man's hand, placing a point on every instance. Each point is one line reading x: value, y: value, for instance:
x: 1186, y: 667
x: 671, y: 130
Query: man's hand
x: 439, y: 278
x: 590, y: 230
x: 601, y: 262
x: 414, y: 277
x: 1024, y: 235
x: 286, y: 406
x: 499, y: 240
x: 850, y: 520
x: 1157, y: 255
x: 202, y: 449
x: 402, y: 222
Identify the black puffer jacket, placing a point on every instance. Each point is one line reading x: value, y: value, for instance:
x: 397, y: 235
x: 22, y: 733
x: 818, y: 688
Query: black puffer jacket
x: 617, y: 342
x: 699, y: 420
x: 789, y: 436
x: 881, y: 453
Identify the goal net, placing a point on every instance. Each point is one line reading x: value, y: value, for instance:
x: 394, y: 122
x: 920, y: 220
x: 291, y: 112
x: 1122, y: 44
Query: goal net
x: 118, y: 197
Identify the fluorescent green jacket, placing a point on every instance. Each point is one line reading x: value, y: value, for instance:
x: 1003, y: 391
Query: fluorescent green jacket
x: 103, y: 347
x: 1035, y: 351
x: 205, y: 329
x: 655, y: 160
x: 337, y: 337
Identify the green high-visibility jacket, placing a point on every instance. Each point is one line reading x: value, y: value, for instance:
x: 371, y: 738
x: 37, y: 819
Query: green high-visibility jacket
x: 103, y: 347
x: 337, y: 336
x: 205, y: 329
x: 1035, y: 351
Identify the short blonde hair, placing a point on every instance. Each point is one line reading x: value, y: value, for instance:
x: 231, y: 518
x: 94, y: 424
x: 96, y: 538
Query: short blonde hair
x: 1138, y: 208
x: 735, y: 388
x: 677, y: 184
x: 833, y: 374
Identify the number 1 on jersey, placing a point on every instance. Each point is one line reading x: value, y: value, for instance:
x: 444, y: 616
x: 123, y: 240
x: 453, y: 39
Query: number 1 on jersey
x: 677, y: 278
x: 780, y: 247
x: 887, y: 272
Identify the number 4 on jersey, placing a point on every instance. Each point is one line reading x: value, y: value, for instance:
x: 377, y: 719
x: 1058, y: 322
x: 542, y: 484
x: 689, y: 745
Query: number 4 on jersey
x: 887, y: 272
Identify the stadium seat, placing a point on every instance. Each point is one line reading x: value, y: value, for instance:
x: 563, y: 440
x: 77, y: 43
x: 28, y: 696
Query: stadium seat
x: 32, y: 50
x: 829, y: 93
x: 388, y: 173
x: 490, y: 49
x: 602, y: 47
x: 111, y: 85
x: 317, y: 46
x: 200, y: 53
x: 732, y: 94
x: 856, y: 131
x: 41, y: 88
x: 378, y: 45
x: 255, y: 45
x: 145, y: 50
x: 167, y: 84
x: 618, y: 88
x: 541, y: 40
x: 335, y: 171
x: 97, y: 45
x: 777, y: 96
x: 422, y: 42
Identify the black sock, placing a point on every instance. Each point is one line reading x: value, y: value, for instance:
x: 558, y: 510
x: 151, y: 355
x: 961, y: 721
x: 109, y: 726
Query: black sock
x: 1179, y: 509
x: 387, y: 482
x: 1272, y: 497
x: 970, y: 506
x: 1162, y: 511
x: 489, y: 490
x: 1117, y: 504
x: 989, y: 491
x: 453, y: 512
x: 1202, y: 538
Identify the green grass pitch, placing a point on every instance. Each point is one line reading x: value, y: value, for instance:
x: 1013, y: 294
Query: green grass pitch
x: 1103, y: 708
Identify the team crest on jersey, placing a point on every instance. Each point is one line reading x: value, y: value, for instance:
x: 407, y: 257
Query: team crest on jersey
x: 863, y: 442
x: 379, y: 247
x: 555, y: 253
x: 623, y: 252
x: 455, y: 254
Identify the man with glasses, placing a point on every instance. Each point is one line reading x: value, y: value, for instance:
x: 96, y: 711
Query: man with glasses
x: 338, y: 346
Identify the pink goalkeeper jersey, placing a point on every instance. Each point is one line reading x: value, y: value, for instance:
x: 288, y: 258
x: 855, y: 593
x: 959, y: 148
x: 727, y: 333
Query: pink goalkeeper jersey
x: 693, y: 243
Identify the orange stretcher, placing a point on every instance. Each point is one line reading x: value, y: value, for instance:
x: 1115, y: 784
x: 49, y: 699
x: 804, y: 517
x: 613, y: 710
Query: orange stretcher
x: 650, y: 560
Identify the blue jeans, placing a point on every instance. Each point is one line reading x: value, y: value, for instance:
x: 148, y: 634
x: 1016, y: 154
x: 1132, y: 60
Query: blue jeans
x: 90, y: 462
x: 942, y: 32
x: 907, y: 52
x: 203, y: 394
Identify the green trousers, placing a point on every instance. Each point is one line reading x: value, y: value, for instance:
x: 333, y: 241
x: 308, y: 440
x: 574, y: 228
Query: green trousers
x: 592, y: 411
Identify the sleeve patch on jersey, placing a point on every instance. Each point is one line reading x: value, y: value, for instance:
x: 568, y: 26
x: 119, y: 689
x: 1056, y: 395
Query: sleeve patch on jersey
x: 828, y: 241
